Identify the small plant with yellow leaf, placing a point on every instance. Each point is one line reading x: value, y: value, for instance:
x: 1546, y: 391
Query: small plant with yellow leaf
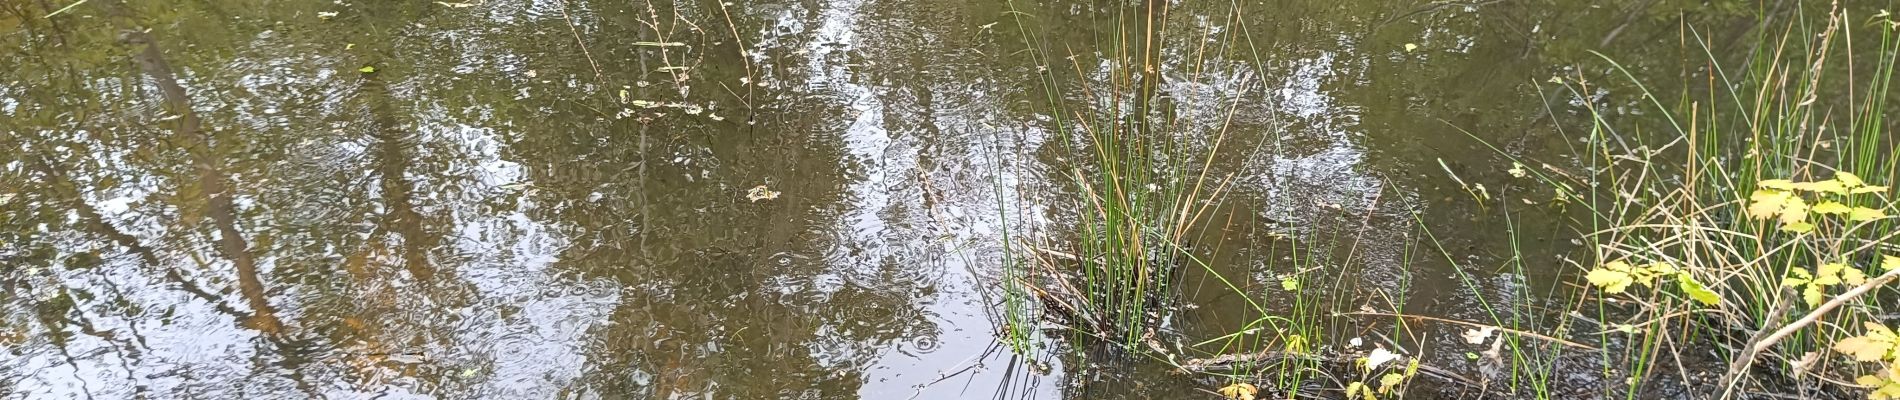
x: 1878, y: 345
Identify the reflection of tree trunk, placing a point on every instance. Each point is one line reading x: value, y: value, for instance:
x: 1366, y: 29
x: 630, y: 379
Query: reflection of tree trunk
x: 89, y: 215
x: 393, y: 152
x: 214, y: 184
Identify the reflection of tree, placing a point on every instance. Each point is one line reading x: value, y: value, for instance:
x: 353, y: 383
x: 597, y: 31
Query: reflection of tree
x: 721, y: 293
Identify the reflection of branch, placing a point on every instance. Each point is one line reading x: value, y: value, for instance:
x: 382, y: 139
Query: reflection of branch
x: 214, y: 192
x: 96, y: 222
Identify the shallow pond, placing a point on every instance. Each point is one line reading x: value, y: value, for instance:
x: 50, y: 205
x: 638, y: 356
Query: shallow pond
x: 560, y: 198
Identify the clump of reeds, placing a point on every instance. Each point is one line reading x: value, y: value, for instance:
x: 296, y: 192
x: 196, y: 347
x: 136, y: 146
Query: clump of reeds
x: 1753, y: 220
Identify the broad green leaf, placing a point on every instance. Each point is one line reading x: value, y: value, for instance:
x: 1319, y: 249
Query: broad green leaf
x: 1696, y: 291
x: 1831, y: 207
x: 1864, y: 214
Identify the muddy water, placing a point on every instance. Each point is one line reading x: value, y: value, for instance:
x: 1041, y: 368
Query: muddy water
x: 539, y: 199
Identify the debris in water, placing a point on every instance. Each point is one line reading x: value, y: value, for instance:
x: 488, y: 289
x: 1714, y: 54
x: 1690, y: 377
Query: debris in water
x: 760, y: 193
x: 1477, y: 336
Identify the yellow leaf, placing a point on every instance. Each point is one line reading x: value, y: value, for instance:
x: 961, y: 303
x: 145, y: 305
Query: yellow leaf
x: 1389, y: 381
x: 1777, y: 184
x: 1828, y: 186
x: 1240, y: 391
x: 1610, y: 280
x: 1696, y: 291
x: 1875, y: 346
x: 1830, y: 270
x: 1661, y: 268
x: 1355, y: 388
x: 1853, y: 276
x: 1797, y: 277
x: 1798, y: 227
x: 1868, y: 380
x: 1831, y: 207
x: 366, y: 69
x: 1848, y: 179
x: 1765, y: 204
x: 1863, y: 214
x: 1868, y: 189
x: 1813, y: 295
x: 1796, y: 210
x: 1889, y: 263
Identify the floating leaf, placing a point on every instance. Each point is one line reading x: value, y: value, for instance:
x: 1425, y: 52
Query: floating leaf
x: 1831, y: 207
x: 1290, y: 284
x: 1864, y: 214
x: 1240, y: 391
x: 366, y: 69
x: 760, y: 193
x: 1411, y: 46
x: 1696, y: 291
x: 1876, y: 345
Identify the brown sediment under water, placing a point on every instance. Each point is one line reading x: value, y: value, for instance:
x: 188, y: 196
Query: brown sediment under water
x: 750, y: 199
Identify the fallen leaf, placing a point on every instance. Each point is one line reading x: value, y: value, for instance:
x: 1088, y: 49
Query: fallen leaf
x: 1411, y: 46
x: 366, y: 69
